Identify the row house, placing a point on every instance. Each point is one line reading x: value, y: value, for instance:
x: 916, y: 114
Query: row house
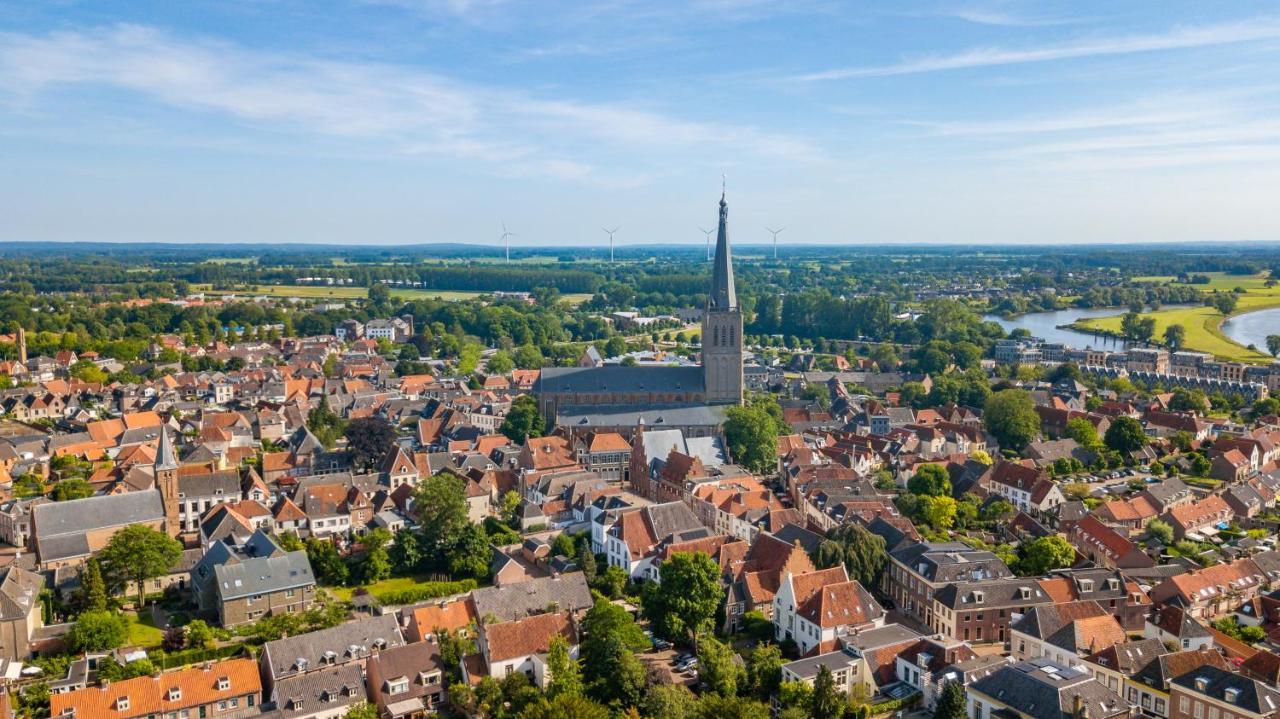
x: 607, y: 454
x: 1211, y: 691
x: 634, y: 540
x: 1106, y: 547
x: 1132, y: 514
x: 1042, y: 688
x: 916, y: 572
x: 1213, y: 591
x: 228, y: 689
x: 520, y: 646
x: 755, y: 581
x: 981, y: 611
x: 1064, y: 632
x: 1199, y: 519
x: 1123, y: 598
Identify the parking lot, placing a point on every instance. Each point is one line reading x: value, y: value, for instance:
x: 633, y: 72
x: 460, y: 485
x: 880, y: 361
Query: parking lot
x: 663, y: 663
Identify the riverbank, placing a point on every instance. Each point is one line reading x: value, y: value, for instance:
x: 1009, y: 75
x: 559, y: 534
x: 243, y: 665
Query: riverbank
x: 1203, y: 327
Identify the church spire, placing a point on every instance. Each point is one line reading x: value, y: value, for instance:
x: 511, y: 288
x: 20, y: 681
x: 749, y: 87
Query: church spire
x: 165, y: 457
x: 723, y: 296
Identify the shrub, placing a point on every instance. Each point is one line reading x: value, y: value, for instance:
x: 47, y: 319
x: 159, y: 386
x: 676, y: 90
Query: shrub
x: 425, y: 591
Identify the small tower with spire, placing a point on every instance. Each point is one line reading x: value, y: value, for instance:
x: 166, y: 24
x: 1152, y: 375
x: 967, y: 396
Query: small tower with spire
x: 166, y: 472
x: 722, y: 324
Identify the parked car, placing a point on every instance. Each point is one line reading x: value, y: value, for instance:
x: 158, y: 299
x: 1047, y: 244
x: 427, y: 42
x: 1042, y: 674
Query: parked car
x: 661, y: 644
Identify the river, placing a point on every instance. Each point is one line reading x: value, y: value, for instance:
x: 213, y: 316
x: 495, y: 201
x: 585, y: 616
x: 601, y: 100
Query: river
x: 1252, y: 328
x: 1045, y: 326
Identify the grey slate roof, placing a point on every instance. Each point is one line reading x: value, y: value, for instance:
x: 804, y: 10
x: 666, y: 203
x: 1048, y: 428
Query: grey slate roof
x: 515, y: 601
x: 951, y: 562
x: 82, y: 515
x: 19, y: 592
x: 1044, y: 689
x: 584, y: 416
x: 263, y: 575
x: 347, y: 642
x: 225, y: 483
x: 1251, y: 695
x: 616, y: 378
x: 327, y: 689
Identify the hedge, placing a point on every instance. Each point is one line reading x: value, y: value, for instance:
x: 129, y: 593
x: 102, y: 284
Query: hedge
x: 894, y: 705
x: 425, y: 591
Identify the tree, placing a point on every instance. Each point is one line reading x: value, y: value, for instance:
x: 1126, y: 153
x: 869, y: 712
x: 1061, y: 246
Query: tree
x: 199, y: 634
x: 406, y: 552
x: 1175, y: 336
x: 1160, y: 531
x: 952, y: 702
x: 361, y: 710
x: 715, y: 706
x: 500, y: 363
x: 470, y: 555
x: 93, y: 590
x: 369, y: 439
x: 508, y: 505
x: 523, y: 420
x: 138, y: 553
x: 528, y: 356
x: 1224, y: 302
x: 97, y: 631
x: 566, y: 706
x: 930, y: 480
x: 862, y: 553
x: 1273, y: 345
x: 827, y: 702
x: 1125, y: 435
x: 1185, y: 400
x: 1083, y: 432
x: 719, y: 667
x: 751, y: 432
x: 440, y: 503
x: 939, y: 512
x: 1010, y: 415
x: 566, y: 675
x: 87, y: 371
x: 325, y: 561
x: 376, y: 564
x: 684, y: 603
x: 74, y: 488
x: 669, y: 701
x: 1042, y: 555
x: 607, y: 620
x: 615, y: 676
x: 764, y: 670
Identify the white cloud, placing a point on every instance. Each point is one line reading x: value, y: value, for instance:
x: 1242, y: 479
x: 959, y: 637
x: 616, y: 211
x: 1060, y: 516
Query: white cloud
x: 1178, y: 38
x: 411, y: 110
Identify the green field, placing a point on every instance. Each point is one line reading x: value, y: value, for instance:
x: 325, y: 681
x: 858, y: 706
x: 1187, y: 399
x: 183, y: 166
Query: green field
x: 1203, y: 323
x: 394, y: 584
x: 142, y: 630
x: 349, y: 293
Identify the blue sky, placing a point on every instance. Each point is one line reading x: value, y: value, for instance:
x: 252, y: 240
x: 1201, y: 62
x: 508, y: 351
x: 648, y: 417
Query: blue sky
x: 405, y: 121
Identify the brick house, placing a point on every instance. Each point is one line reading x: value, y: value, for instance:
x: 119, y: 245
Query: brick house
x: 228, y: 689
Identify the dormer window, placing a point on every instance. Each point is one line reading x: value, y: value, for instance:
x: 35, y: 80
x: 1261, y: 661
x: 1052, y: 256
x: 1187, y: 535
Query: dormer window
x: 174, y: 694
x: 399, y: 685
x: 224, y: 683
x: 122, y: 704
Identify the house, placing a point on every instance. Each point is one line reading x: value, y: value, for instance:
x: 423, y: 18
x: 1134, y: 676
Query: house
x: 258, y: 587
x: 407, y: 682
x: 1172, y: 625
x: 424, y: 621
x: 325, y: 693
x: 20, y: 611
x: 814, y: 608
x: 564, y: 592
x: 1214, y: 691
x: 930, y: 663
x: 1199, y: 518
x: 349, y: 643
x: 1115, y: 665
x: 918, y: 570
x: 1105, y: 546
x: 1025, y: 487
x: 1168, y: 494
x: 230, y: 688
x: 1212, y: 591
x: 1149, y: 687
x: 1131, y: 514
x: 847, y: 670
x: 1043, y: 689
x: 634, y: 540
x: 1230, y: 466
x: 981, y: 611
x: 1064, y: 632
x: 1123, y: 598
x: 521, y: 646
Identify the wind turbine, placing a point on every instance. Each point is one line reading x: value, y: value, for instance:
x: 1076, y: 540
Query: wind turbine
x: 506, y: 242
x: 775, y: 234
x: 610, y: 233
x: 708, y: 234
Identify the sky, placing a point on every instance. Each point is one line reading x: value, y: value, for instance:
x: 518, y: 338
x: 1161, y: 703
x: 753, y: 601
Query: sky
x: 421, y: 121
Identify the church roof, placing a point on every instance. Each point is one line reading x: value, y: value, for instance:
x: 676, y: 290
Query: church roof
x: 723, y: 295
x: 617, y: 378
x: 586, y: 416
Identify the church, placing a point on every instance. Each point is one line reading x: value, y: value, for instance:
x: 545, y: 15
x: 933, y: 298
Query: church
x: 614, y: 398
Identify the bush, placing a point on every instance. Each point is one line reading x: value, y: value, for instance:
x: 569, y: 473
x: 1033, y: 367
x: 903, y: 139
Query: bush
x: 425, y: 591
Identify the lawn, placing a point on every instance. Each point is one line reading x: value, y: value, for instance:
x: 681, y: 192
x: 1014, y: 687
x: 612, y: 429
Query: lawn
x: 142, y: 630
x: 394, y: 584
x: 349, y: 293
x: 1202, y: 323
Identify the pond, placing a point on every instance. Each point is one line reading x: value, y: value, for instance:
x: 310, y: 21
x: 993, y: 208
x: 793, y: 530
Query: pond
x: 1045, y: 326
x: 1252, y: 328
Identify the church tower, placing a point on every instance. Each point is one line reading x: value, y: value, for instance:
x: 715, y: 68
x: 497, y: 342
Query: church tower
x: 722, y: 325
x: 166, y: 471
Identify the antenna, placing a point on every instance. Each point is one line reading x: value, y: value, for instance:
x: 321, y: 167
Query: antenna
x: 708, y: 234
x: 610, y: 233
x: 506, y: 242
x: 775, y: 234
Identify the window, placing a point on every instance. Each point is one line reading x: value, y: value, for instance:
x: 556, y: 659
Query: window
x: 122, y: 704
